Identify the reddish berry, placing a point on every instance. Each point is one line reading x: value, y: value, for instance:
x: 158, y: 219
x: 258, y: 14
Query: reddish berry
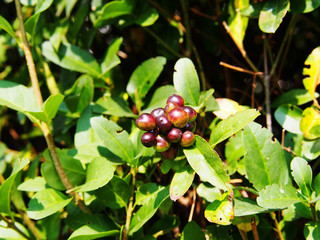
x: 148, y: 139
x: 174, y: 135
x: 178, y: 117
x: 170, y: 106
x: 171, y: 153
x: 162, y: 144
x: 164, y: 124
x: 187, y: 139
x: 158, y: 112
x: 146, y: 122
x: 176, y: 99
x: 191, y: 126
x: 191, y: 112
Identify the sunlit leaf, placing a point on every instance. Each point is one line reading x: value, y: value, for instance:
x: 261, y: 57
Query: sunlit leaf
x: 311, y: 230
x: 312, y: 71
x: 5, y: 25
x: 294, y: 97
x: 227, y: 107
x: 304, y: 6
x: 289, y: 117
x: 181, y: 182
x: 302, y: 174
x: 310, y: 123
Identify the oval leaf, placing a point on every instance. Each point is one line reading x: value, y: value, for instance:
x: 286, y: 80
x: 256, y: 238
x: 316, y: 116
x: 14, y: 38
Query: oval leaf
x: 181, y: 182
x: 186, y: 81
x: 289, y: 117
x: 192, y: 231
x: 5, y: 25
x: 302, y: 174
x: 46, y: 202
x: 272, y: 14
x: 294, y: 97
x: 310, y: 123
x: 312, y: 71
x: 206, y: 163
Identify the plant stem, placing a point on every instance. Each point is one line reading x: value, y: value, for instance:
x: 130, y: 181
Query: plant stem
x: 10, y: 224
x: 201, y: 72
x: 314, y: 212
x: 194, y: 199
x: 247, y: 189
x: 273, y: 216
x: 44, y: 127
x: 266, y: 81
x: 254, y: 228
x: 184, y: 6
x: 30, y: 224
x: 130, y: 207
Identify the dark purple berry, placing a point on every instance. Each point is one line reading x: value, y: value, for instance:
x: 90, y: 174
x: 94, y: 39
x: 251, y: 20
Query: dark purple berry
x: 174, y: 135
x: 158, y: 112
x: 187, y: 139
x: 191, y: 112
x: 146, y: 122
x: 178, y: 117
x: 162, y: 144
x: 170, y: 106
x: 176, y: 99
x: 191, y: 126
x: 164, y: 124
x: 148, y: 139
x: 171, y: 153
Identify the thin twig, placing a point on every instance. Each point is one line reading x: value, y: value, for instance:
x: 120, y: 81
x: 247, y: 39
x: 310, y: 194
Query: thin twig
x: 10, y: 224
x: 201, y: 71
x: 45, y: 128
x: 252, y: 90
x: 254, y: 228
x: 266, y: 81
x: 246, y: 189
x: 240, y: 69
x: 276, y: 224
x: 194, y: 199
x: 30, y: 224
x: 184, y: 6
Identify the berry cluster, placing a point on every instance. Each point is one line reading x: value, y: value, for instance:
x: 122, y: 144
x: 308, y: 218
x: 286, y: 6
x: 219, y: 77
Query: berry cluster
x: 168, y: 128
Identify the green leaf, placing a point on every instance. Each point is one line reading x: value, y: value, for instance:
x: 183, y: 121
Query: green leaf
x: 31, y: 23
x: 302, y: 174
x: 159, y: 97
x: 111, y: 58
x: 115, y: 194
x: 99, y: 173
x: 17, y: 96
x: 310, y: 123
x: 311, y: 230
x: 5, y: 25
x: 72, y: 58
x: 294, y: 97
x: 237, y: 22
x: 6, y: 186
x: 181, y: 182
x: 72, y: 167
x: 192, y: 231
x: 208, y: 101
x: 186, y: 81
x: 113, y: 105
x: 208, y: 192
x: 45, y: 203
x: 114, y: 138
x: 33, y: 185
x: 166, y: 224
x: 253, y: 10
x: 305, y: 6
x: 80, y: 95
x: 227, y: 108
x: 289, y: 117
x: 147, y: 15
x: 206, y: 163
x: 263, y: 154
x: 312, y: 71
x: 311, y: 149
x: 93, y: 231
x: 272, y: 14
x: 316, y: 184
x: 278, y: 196
x: 221, y: 211
x: 143, y: 78
x: 146, y: 191
x: 246, y: 206
x: 148, y: 210
x: 234, y: 151
x: 231, y: 125
x: 11, y: 234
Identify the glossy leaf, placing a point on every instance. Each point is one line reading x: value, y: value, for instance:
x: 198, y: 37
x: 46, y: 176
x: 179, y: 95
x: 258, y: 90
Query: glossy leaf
x: 186, y: 81
x: 246, y: 206
x: 10, y: 233
x: 144, y: 76
x: 99, y: 173
x: 311, y: 149
x: 311, y: 230
x: 115, y: 194
x: 192, y: 231
x: 305, y: 6
x: 208, y: 101
x: 312, y: 72
x: 181, y: 182
x: 310, y: 123
x: 226, y: 128
x: 208, y: 192
x: 114, y: 138
x: 206, y: 163
x: 111, y: 58
x: 148, y: 210
x: 72, y: 167
x: 45, y: 203
x: 272, y: 14
x: 234, y: 151
x: 294, y: 97
x: 146, y: 15
x: 237, y: 22
x: 221, y: 211
x: 5, y: 25
x: 146, y: 191
x: 302, y: 174
x: 289, y: 117
x: 253, y: 10
x: 227, y: 108
x: 72, y: 58
x: 113, y: 105
x: 33, y: 185
x: 278, y: 196
x: 263, y: 154
x: 6, y: 186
